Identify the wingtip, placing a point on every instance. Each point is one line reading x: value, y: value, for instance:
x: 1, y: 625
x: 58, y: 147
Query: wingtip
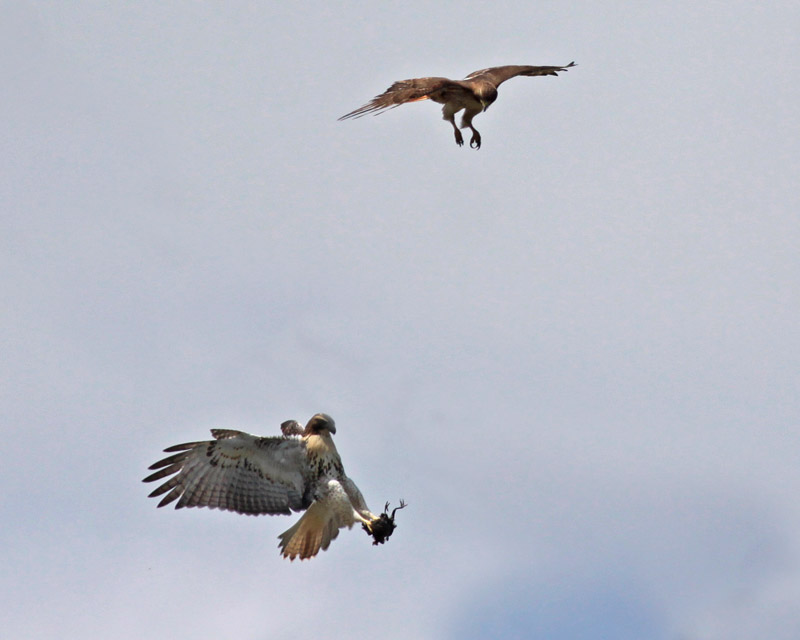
x: 352, y: 115
x: 164, y: 501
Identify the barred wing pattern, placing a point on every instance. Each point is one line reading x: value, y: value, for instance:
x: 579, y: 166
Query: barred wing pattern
x: 236, y: 472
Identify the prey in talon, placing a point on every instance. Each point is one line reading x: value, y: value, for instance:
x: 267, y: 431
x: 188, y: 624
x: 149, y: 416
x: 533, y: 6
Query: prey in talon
x: 383, y: 526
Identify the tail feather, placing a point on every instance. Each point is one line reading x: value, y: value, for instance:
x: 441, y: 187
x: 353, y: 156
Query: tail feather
x: 314, y: 531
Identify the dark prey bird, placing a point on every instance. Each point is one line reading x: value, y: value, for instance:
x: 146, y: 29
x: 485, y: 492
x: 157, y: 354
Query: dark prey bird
x: 473, y: 94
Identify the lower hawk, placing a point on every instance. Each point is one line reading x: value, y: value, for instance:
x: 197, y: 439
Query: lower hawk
x: 298, y: 471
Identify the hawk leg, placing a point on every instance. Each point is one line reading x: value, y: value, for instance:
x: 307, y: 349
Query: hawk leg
x: 466, y: 121
x: 452, y: 120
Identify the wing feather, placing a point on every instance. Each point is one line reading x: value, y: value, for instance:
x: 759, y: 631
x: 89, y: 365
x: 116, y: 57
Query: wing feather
x: 404, y: 91
x: 235, y: 488
x: 170, y: 497
x: 194, y: 482
x: 205, y: 488
x: 221, y: 434
x: 166, y: 471
x: 498, y: 75
x: 236, y: 472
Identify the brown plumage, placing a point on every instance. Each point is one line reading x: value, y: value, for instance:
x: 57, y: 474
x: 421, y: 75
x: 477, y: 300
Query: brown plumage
x: 299, y: 471
x: 473, y: 94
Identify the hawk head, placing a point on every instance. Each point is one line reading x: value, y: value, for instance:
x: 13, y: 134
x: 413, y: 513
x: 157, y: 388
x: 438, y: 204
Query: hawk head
x: 486, y: 96
x: 320, y: 424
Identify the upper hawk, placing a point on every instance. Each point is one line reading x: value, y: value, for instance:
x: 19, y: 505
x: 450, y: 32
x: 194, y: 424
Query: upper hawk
x: 300, y: 470
x: 473, y: 94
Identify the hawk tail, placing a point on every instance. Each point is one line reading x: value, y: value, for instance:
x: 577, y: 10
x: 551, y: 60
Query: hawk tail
x: 314, y: 531
x: 401, y: 92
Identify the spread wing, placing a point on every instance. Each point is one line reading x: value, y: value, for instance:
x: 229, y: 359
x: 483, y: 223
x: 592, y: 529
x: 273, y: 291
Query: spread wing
x: 411, y: 90
x: 237, y: 472
x: 497, y: 75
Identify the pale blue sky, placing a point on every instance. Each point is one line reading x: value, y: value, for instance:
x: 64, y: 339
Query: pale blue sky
x: 573, y: 352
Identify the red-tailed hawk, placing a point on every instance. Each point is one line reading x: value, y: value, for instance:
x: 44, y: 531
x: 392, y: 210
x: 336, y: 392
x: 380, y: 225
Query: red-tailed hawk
x: 299, y: 471
x: 473, y: 94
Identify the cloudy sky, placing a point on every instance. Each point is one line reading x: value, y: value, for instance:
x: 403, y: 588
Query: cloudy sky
x: 575, y: 352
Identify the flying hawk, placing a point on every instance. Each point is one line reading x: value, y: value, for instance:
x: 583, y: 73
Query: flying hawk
x: 299, y: 471
x: 473, y: 94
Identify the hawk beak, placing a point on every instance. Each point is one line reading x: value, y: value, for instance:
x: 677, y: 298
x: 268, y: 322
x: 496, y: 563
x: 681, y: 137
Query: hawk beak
x: 332, y: 428
x: 485, y: 104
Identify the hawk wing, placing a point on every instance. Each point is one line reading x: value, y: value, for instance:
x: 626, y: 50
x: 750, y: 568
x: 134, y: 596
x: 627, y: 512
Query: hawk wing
x: 411, y: 90
x: 291, y: 428
x: 498, y: 75
x: 236, y: 472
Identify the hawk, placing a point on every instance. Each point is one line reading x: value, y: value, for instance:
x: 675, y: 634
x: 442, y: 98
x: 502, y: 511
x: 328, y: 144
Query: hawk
x: 298, y: 471
x: 473, y: 94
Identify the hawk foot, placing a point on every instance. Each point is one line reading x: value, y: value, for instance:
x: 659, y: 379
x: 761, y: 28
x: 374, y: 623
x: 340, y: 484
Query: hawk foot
x: 382, y: 527
x: 475, y: 142
x: 459, y: 138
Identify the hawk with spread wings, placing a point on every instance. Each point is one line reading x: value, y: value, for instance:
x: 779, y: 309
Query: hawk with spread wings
x: 473, y: 94
x: 299, y: 471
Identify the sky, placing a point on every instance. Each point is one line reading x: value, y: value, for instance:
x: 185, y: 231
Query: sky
x: 574, y: 353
